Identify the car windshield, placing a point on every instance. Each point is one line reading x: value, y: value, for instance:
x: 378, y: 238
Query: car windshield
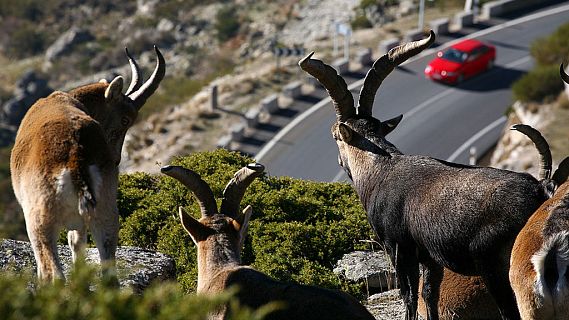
x: 454, y: 55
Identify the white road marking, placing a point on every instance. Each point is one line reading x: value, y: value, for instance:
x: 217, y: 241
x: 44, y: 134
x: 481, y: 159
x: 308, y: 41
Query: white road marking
x: 279, y: 136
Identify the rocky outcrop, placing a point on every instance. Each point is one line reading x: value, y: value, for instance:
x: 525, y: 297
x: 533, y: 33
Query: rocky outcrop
x: 371, y: 268
x: 65, y: 43
x: 137, y: 268
x: 29, y: 88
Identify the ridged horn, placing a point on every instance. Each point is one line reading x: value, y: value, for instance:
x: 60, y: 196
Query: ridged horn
x: 147, y: 89
x: 542, y: 147
x: 562, y: 172
x: 564, y: 75
x: 235, y: 189
x: 383, y: 66
x: 194, y: 182
x: 136, y: 79
x: 333, y: 83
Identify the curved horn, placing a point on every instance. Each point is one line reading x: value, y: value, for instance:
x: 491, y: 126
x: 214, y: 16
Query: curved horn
x: 194, y: 182
x: 542, y: 147
x: 562, y: 172
x: 564, y: 75
x: 147, y: 89
x: 333, y: 83
x: 136, y: 80
x: 235, y: 189
x: 383, y: 66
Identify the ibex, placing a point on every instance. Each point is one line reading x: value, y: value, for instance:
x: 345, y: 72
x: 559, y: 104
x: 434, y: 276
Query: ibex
x: 462, y: 297
x: 64, y: 165
x: 540, y: 256
x: 219, y: 237
x: 427, y: 211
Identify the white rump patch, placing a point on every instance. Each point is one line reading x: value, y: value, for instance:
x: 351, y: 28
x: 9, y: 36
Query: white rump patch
x: 560, y: 243
x: 64, y: 184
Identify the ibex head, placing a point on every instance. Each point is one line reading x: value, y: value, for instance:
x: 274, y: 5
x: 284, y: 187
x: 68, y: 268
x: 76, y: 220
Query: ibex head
x: 355, y: 127
x: 115, y: 111
x: 226, y: 223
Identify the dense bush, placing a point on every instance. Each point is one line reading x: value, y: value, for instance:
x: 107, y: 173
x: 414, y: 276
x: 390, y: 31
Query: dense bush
x: 554, y: 49
x: 298, y: 231
x: 543, y: 82
x: 79, y: 300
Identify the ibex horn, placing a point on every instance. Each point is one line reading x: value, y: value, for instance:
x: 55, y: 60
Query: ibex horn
x: 194, y: 182
x: 136, y: 79
x: 562, y: 172
x: 383, y: 66
x: 542, y: 147
x: 333, y: 83
x: 564, y: 75
x: 147, y: 89
x: 235, y: 189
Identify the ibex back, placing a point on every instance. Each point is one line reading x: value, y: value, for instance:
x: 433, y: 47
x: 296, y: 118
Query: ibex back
x: 64, y: 165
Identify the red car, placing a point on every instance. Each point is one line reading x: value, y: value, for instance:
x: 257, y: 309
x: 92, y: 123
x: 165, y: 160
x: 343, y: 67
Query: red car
x: 461, y: 61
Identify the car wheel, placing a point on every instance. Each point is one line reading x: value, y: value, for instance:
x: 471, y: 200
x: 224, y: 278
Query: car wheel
x: 490, y: 65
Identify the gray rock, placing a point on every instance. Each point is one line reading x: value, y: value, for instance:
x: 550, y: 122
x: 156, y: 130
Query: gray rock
x: 66, y: 41
x: 28, y: 90
x: 137, y: 268
x: 387, y: 305
x: 371, y: 268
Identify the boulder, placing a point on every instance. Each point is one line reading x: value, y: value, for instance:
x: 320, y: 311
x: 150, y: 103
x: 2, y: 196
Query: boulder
x: 66, y: 42
x: 371, y: 268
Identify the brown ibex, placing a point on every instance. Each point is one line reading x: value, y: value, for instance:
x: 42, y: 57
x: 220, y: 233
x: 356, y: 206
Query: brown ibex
x: 462, y: 297
x: 64, y: 165
x: 540, y: 256
x: 427, y: 211
x: 219, y: 237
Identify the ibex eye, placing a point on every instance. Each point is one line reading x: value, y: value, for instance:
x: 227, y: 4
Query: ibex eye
x: 125, y: 121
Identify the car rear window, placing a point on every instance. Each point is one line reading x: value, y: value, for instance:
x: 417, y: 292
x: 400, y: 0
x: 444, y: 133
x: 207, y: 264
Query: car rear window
x: 454, y: 55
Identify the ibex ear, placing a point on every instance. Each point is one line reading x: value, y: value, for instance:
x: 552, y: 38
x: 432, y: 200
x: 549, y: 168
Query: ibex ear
x: 242, y: 225
x: 196, y: 230
x: 388, y: 125
x: 114, y: 90
x: 345, y: 132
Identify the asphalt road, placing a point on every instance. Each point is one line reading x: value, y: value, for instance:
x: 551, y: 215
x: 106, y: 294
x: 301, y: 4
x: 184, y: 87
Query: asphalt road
x: 438, y: 118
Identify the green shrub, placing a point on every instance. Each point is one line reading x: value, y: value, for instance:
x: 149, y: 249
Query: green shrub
x: 553, y: 49
x: 227, y: 23
x: 361, y: 22
x: 298, y: 231
x: 85, y: 297
x: 540, y: 84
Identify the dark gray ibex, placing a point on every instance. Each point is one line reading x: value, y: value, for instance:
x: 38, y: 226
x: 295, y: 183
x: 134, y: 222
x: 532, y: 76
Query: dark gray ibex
x: 540, y: 256
x: 64, y: 165
x: 219, y: 237
x: 427, y: 211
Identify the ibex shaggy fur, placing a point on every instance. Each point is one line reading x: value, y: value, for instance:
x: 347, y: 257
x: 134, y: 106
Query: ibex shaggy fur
x: 540, y: 257
x: 219, y: 237
x: 427, y: 211
x: 64, y: 165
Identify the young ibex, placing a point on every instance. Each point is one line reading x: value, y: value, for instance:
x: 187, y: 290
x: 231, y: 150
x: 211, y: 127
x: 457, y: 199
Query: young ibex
x: 64, y: 165
x: 462, y: 297
x: 540, y: 256
x: 427, y: 210
x: 219, y: 237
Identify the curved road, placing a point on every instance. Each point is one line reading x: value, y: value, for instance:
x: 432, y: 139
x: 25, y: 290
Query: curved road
x: 437, y: 120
